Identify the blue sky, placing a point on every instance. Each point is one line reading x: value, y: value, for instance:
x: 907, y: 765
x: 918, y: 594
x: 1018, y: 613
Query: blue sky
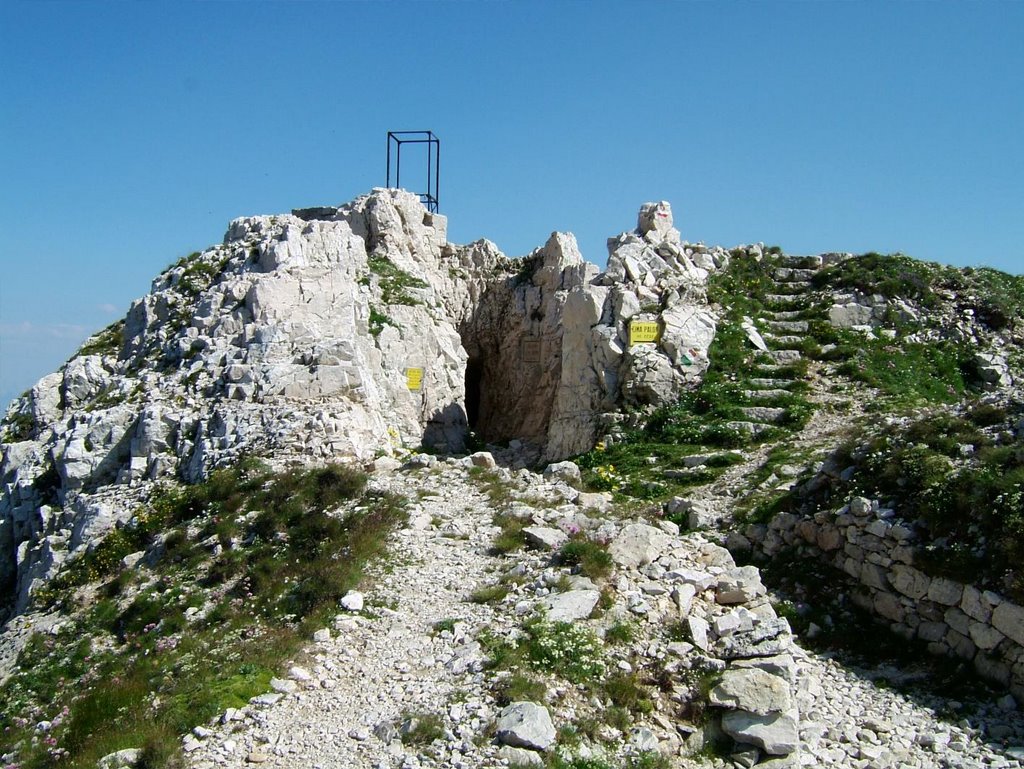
x: 131, y: 133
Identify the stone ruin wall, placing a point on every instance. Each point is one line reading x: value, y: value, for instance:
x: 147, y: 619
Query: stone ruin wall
x: 877, y: 552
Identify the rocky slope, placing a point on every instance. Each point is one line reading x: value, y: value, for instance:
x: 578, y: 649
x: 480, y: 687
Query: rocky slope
x: 517, y: 620
x: 298, y: 337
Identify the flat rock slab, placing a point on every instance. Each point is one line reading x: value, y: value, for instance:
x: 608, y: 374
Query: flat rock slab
x: 525, y: 725
x: 775, y: 733
x: 544, y: 537
x: 739, y: 585
x: 755, y: 691
x: 638, y: 544
x: 570, y: 606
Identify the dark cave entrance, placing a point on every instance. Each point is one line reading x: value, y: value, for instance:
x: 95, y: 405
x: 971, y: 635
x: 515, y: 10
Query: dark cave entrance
x: 474, y: 388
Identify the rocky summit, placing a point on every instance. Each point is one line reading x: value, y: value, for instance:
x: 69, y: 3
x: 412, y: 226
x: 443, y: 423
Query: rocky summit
x: 340, y: 493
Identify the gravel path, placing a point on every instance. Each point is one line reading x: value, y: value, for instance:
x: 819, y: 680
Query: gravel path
x: 340, y: 706
x: 391, y: 663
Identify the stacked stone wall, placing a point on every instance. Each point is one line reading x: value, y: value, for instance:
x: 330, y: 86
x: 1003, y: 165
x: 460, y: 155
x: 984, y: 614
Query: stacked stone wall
x: 880, y: 554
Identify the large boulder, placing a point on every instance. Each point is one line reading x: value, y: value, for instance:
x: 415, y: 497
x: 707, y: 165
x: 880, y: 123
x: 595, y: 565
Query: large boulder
x: 776, y: 733
x: 570, y: 606
x: 752, y: 690
x: 638, y: 544
x: 525, y: 725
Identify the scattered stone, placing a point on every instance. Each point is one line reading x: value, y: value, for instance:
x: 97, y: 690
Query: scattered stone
x: 565, y: 471
x: 545, y: 538
x: 570, y: 606
x: 525, y: 725
x: 775, y: 733
x: 283, y: 685
x: 751, y: 690
x: 638, y: 544
x: 519, y: 757
x: 121, y: 759
x: 352, y: 601
x: 739, y: 585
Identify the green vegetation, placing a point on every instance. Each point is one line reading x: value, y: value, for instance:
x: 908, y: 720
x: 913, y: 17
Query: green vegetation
x: 519, y: 687
x: 906, y: 373
x: 489, y: 594
x: 105, y: 342
x: 591, y: 558
x: 18, y: 426
x: 962, y: 477
x: 648, y: 461
x: 999, y: 296
x: 892, y: 276
x: 198, y: 274
x: 511, y: 535
x: 559, y: 648
x: 244, y: 567
x: 393, y: 281
x: 422, y: 729
x: 622, y: 632
x: 378, y: 321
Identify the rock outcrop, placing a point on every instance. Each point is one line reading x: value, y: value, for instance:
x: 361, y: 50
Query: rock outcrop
x: 347, y: 332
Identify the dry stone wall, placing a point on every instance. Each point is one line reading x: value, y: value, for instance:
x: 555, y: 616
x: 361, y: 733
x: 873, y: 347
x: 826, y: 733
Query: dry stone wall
x: 877, y: 551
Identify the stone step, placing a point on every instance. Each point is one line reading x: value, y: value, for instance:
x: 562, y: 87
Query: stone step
x: 784, y: 298
x: 756, y: 395
x: 700, y: 460
x: 769, y: 383
x: 769, y: 414
x: 791, y: 275
x: 784, y: 314
x: 782, y: 341
x: 788, y: 325
x: 784, y: 357
x: 800, y: 288
x: 752, y: 428
x: 801, y: 262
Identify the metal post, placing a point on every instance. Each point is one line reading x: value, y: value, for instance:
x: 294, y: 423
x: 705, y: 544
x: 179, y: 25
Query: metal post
x: 431, y: 196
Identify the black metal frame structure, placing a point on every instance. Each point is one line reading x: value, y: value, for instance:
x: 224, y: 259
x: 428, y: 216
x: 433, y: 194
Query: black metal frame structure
x: 430, y: 197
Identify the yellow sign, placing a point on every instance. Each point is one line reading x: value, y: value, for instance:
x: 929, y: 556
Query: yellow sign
x: 643, y: 331
x: 414, y: 379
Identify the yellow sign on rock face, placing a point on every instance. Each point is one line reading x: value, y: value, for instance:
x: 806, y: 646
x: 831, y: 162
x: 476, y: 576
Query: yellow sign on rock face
x: 641, y: 331
x: 414, y: 379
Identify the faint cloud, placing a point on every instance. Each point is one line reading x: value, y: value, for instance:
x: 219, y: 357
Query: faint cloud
x: 28, y: 330
x: 107, y: 308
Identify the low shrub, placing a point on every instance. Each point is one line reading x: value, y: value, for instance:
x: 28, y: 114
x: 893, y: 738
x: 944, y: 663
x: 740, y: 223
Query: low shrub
x: 591, y: 558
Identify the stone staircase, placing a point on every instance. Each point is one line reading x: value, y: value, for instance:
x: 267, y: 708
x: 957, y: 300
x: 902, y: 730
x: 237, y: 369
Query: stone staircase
x: 784, y: 327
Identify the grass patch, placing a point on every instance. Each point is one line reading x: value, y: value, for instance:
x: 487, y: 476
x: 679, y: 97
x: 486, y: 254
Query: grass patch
x: 519, y: 687
x: 622, y: 632
x: 394, y: 283
x: 137, y: 670
x: 18, y: 426
x: 590, y: 558
x: 378, y: 321
x: 421, y: 729
x: 489, y: 594
x: 105, y: 342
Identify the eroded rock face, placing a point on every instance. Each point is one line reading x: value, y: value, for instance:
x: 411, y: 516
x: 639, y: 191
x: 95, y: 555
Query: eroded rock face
x: 345, y: 334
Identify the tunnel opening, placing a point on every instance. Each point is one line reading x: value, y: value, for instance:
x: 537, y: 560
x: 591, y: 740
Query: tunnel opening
x: 474, y: 385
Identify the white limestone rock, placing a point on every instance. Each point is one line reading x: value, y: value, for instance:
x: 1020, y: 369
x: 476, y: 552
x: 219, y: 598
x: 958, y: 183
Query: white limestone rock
x: 638, y: 544
x: 753, y: 690
x: 525, y: 725
x: 569, y: 606
x: 545, y: 537
x: 774, y: 733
